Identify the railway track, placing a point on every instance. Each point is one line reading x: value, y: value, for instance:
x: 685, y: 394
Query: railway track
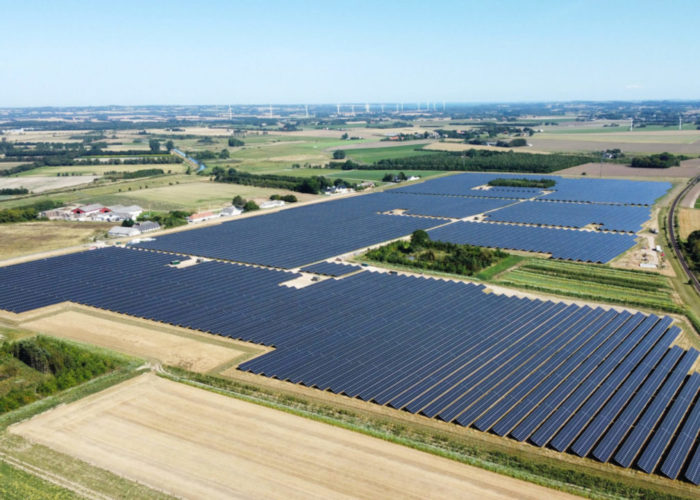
x: 673, y: 239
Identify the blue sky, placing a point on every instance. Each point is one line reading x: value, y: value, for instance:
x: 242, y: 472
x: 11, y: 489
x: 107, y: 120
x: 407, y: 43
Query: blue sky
x: 216, y: 52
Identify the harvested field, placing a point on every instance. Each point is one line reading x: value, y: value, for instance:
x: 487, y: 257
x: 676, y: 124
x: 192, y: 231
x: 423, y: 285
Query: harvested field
x: 41, y: 183
x: 687, y: 169
x: 461, y: 146
x: 188, y: 352
x: 631, y: 142
x: 227, y: 448
x: 33, y: 237
x: 688, y: 221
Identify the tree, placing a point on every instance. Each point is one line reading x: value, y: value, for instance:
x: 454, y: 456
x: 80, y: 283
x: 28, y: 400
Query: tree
x: 250, y: 206
x: 224, y: 154
x: 233, y: 142
x: 419, y: 239
x: 345, y: 136
x: 154, y: 144
x: 238, y: 201
x: 169, y: 146
x: 402, y: 176
x: 338, y: 154
x: 127, y: 223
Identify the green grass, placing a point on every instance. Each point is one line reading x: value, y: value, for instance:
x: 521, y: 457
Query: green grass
x: 377, y: 175
x: 371, y: 155
x: 178, y: 168
x: 499, y: 267
x: 16, y: 484
x: 591, y: 282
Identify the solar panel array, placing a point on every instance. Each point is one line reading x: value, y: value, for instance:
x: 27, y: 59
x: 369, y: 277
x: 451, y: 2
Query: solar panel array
x: 609, y: 217
x: 586, y: 246
x: 294, y: 237
x: 331, y: 268
x: 598, y: 383
x: 608, y: 191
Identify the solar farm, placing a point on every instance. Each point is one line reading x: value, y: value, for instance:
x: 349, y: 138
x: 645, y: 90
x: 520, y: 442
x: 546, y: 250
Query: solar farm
x: 611, y: 385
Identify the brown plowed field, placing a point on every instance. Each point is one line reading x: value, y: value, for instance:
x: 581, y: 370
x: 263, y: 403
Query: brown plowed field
x: 197, y: 444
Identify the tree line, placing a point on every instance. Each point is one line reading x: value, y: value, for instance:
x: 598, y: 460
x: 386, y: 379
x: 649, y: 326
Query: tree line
x: 661, y: 160
x: 523, y: 183
x: 481, y: 161
x: 310, y: 185
x: 27, y: 213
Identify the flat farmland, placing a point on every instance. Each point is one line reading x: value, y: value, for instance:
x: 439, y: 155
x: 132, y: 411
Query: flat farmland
x: 374, y: 154
x: 32, y: 237
x: 198, y: 195
x: 688, y: 221
x: 99, y: 170
x: 377, y: 175
x: 170, y: 346
x: 228, y: 448
x: 461, y: 146
x: 41, y: 183
x: 679, y: 141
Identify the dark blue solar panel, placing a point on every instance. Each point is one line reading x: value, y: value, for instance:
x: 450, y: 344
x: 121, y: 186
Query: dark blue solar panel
x: 662, y: 437
x: 439, y: 347
x: 685, y: 440
x: 639, y: 434
x: 578, y: 215
x: 565, y: 244
x: 331, y: 268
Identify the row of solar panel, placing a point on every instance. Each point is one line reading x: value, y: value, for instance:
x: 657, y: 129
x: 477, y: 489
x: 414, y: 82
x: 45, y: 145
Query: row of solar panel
x: 586, y: 246
x: 608, y: 191
x: 331, y: 268
x: 568, y: 377
x: 608, y: 217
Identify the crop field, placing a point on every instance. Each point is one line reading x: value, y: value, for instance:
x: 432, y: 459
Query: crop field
x: 371, y: 155
x: 633, y: 288
x: 377, y: 175
x: 230, y: 448
x: 169, y: 346
x: 17, y: 484
x: 681, y: 142
x: 689, y: 168
x: 99, y: 170
x: 32, y: 237
x: 688, y: 221
x: 41, y: 183
x: 199, y: 195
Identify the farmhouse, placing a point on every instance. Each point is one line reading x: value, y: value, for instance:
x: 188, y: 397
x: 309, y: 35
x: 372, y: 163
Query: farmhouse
x: 201, y: 217
x: 147, y: 226
x: 90, y: 210
x: 126, y: 212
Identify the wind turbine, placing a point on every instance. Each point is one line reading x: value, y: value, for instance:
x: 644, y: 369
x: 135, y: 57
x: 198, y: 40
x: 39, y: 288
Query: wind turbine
x: 680, y: 121
x: 306, y: 109
x: 367, y: 107
x: 337, y: 107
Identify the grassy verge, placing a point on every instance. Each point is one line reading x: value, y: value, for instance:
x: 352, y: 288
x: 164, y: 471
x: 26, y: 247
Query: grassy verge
x: 591, y: 282
x: 542, y: 470
x: 496, y: 269
x: 16, y: 484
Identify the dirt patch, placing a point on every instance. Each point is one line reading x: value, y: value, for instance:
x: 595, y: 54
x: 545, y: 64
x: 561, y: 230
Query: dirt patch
x: 25, y: 238
x: 197, y: 444
x: 688, y: 221
x: 170, y: 349
x: 461, y: 146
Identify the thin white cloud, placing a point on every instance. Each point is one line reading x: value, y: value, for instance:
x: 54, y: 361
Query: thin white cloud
x: 634, y: 86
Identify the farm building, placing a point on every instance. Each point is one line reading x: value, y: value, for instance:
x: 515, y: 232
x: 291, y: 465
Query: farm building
x: 147, y: 226
x: 229, y: 211
x: 201, y: 217
x: 126, y: 212
x: 90, y: 210
x: 121, y: 232
x: 272, y: 204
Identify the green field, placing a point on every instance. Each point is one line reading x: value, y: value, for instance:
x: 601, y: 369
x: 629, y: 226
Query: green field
x: 593, y: 282
x: 16, y: 484
x: 199, y: 195
x: 372, y: 155
x: 377, y: 175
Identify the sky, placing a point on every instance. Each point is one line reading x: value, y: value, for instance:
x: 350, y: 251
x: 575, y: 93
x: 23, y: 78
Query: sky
x: 82, y: 53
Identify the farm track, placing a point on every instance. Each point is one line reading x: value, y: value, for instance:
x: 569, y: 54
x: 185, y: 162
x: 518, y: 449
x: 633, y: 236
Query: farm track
x: 673, y: 238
